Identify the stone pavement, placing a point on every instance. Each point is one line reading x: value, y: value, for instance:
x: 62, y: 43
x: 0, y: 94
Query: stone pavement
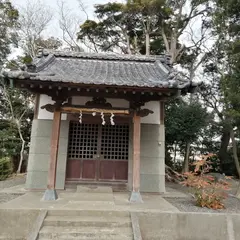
x: 87, y: 199
x: 84, y: 208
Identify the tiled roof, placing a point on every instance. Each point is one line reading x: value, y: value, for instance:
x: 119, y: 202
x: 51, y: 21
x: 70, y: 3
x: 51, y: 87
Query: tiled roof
x: 102, y: 69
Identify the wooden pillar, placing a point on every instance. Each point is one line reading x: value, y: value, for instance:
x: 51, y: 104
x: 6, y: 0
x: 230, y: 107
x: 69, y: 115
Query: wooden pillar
x: 50, y: 193
x: 36, y: 108
x: 162, y: 112
x: 135, y: 195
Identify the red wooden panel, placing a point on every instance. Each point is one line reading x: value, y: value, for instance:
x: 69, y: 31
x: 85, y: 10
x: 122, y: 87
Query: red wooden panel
x: 121, y: 170
x: 73, y: 169
x: 106, y: 170
x: 89, y: 169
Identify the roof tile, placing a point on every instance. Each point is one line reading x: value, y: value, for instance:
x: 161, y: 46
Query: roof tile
x: 103, y: 69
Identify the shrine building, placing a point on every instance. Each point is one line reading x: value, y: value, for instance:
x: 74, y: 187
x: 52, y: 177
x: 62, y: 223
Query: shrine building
x: 99, y: 119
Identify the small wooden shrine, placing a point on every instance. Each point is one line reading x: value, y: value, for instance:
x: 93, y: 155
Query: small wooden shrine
x: 99, y: 118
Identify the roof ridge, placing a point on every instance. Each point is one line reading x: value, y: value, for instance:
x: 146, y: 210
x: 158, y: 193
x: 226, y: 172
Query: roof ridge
x: 104, y: 56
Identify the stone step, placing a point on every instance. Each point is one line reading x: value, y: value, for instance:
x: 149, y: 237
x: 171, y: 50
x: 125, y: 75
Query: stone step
x: 11, y: 238
x: 93, y: 221
x: 90, y: 238
x: 51, y: 232
x: 88, y: 213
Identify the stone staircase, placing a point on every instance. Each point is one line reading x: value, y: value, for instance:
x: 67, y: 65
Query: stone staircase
x: 86, y: 225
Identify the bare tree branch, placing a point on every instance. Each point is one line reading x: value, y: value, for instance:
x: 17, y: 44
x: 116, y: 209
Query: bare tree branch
x: 34, y: 20
x: 69, y: 25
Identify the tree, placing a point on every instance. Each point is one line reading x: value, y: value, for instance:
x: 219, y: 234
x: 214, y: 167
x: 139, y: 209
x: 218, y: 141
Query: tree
x: 69, y: 24
x: 110, y: 32
x: 10, y: 113
x: 48, y: 43
x: 183, y: 14
x: 191, y: 53
x: 184, y: 123
x: 150, y: 15
x: 221, y: 68
x: 8, y: 24
x: 16, y: 112
x: 33, y: 21
x: 131, y: 27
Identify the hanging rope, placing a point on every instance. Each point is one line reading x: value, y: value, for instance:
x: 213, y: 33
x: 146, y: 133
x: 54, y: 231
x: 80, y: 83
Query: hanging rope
x: 80, y: 117
x: 111, y: 119
x: 94, y: 110
x: 103, y: 120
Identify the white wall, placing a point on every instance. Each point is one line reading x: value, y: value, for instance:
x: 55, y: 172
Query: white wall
x: 155, y: 117
x: 43, y: 113
x: 150, y: 119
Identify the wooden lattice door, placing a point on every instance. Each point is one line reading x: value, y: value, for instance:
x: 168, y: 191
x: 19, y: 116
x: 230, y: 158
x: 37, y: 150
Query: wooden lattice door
x: 98, y: 153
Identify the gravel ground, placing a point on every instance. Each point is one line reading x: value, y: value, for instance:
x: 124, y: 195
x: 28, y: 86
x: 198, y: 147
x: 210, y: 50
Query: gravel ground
x: 232, y: 204
x: 11, y: 182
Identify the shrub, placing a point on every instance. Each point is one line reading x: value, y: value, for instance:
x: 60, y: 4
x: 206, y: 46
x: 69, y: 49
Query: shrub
x: 5, y: 168
x: 207, y: 192
x: 215, y: 164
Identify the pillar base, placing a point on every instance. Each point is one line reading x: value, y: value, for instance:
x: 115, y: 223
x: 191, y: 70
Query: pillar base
x: 50, y: 195
x: 136, y: 197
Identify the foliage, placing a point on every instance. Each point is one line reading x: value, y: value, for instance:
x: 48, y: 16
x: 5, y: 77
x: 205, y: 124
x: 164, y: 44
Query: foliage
x: 8, y: 24
x: 125, y: 27
x: 184, y: 121
x: 207, y: 191
x: 5, y: 168
x: 48, y: 43
x: 15, y: 121
x: 215, y: 165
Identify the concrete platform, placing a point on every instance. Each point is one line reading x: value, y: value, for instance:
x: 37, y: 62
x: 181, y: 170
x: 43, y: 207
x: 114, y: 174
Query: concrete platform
x: 83, y: 201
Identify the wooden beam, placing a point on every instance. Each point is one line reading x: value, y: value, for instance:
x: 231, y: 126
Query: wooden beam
x: 91, y: 110
x: 135, y: 195
x: 50, y: 193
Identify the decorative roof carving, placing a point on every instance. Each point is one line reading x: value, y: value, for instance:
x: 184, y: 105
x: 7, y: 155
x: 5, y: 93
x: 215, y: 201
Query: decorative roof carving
x: 98, y: 103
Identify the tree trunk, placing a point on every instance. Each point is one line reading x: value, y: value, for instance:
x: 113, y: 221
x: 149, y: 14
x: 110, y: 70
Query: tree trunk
x: 222, y: 154
x: 147, y: 44
x: 22, y: 150
x: 186, y: 159
x: 175, y: 153
x: 128, y: 44
x: 234, y: 149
